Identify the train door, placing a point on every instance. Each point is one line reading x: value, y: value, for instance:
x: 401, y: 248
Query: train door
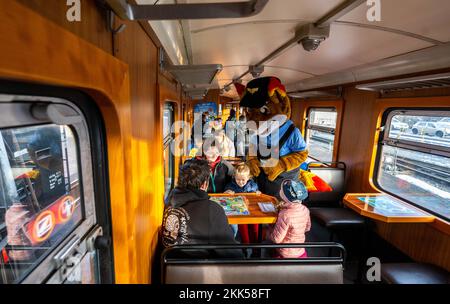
x: 49, y: 227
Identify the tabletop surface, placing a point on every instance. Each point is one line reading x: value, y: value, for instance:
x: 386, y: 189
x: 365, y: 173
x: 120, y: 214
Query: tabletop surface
x: 256, y: 216
x: 386, y: 208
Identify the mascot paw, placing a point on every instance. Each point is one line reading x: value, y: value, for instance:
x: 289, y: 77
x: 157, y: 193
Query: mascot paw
x: 254, y: 164
x: 294, y: 160
x: 273, y: 172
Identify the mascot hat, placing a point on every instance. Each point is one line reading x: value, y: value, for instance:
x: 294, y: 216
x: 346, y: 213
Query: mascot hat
x: 260, y: 90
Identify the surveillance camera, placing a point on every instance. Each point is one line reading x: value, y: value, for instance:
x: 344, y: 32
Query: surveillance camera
x: 256, y: 71
x: 311, y: 36
x: 255, y: 74
x: 311, y: 44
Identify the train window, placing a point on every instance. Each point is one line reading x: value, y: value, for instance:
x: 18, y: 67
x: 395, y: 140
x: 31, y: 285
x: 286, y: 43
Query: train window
x: 168, y: 119
x: 40, y: 202
x: 414, y: 159
x: 51, y: 196
x: 320, y: 133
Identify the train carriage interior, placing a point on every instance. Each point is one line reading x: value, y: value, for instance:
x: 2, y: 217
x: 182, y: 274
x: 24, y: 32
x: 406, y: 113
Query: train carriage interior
x: 225, y: 142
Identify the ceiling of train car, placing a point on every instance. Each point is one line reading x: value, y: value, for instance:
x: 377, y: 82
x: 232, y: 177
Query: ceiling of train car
x: 406, y: 26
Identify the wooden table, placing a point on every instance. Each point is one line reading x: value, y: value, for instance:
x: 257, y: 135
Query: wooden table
x: 386, y: 208
x: 256, y: 216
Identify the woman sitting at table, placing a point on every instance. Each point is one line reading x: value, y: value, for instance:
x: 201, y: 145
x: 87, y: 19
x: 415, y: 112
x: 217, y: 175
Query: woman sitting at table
x: 243, y: 183
x: 221, y: 171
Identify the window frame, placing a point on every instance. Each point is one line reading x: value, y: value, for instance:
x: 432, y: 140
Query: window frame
x: 333, y: 131
x: 43, y: 266
x: 93, y: 141
x: 384, y: 139
x: 406, y: 144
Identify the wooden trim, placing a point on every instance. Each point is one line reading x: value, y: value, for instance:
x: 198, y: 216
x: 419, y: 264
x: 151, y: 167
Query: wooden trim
x: 338, y: 105
x: 351, y: 201
x: 441, y: 225
x: 29, y: 52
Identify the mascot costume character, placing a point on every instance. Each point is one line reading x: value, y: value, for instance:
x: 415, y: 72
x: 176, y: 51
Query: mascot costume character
x: 265, y: 101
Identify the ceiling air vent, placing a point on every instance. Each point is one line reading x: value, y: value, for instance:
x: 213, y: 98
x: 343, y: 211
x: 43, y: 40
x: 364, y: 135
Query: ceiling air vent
x: 414, y: 83
x: 333, y: 93
x: 194, y: 74
x: 196, y: 91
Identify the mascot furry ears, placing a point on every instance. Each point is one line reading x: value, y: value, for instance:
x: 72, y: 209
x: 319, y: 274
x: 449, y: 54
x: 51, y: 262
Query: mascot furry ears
x: 265, y: 100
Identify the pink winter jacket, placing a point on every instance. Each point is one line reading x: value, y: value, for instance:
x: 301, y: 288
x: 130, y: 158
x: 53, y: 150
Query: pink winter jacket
x: 292, y: 223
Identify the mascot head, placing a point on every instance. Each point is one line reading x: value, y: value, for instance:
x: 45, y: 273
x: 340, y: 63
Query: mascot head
x: 264, y: 99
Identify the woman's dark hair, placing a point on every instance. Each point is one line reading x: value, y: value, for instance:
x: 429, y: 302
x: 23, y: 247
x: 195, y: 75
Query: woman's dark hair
x: 193, y: 174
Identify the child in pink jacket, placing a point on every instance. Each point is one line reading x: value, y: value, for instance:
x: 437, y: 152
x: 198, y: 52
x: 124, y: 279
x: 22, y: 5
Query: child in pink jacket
x: 293, y: 220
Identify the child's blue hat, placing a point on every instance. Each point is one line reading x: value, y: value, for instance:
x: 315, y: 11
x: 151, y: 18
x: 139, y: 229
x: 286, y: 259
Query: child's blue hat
x: 293, y: 191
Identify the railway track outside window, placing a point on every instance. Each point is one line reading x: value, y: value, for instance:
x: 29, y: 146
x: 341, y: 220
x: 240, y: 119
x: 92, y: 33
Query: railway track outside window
x: 414, y: 158
x: 320, y: 133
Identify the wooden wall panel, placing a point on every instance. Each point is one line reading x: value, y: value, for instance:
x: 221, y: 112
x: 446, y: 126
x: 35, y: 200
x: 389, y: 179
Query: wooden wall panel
x: 135, y: 48
x: 355, y: 144
x: 92, y: 26
x: 26, y: 54
x: 134, y: 125
x: 421, y: 242
x: 297, y: 108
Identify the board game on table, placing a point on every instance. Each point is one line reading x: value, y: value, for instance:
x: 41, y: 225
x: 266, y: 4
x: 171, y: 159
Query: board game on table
x: 255, y: 215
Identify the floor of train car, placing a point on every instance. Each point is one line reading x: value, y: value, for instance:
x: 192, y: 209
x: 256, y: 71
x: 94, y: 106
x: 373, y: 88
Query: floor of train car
x: 351, y: 240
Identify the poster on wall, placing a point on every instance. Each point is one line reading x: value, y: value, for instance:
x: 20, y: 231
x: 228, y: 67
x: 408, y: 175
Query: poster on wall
x: 210, y: 107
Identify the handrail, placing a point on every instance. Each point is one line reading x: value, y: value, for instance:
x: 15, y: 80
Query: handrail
x: 338, y: 246
x: 344, y: 166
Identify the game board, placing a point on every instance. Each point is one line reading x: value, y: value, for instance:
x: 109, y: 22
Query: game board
x: 388, y: 206
x: 233, y: 205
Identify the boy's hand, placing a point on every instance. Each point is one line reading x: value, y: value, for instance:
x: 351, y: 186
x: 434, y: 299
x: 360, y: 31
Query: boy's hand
x: 229, y: 192
x: 258, y: 192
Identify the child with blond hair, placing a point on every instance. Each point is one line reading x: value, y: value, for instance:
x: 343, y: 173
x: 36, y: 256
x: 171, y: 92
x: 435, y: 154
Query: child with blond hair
x: 243, y: 183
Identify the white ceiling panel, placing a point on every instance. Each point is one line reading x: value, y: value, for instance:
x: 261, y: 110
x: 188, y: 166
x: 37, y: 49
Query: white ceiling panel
x: 347, y: 47
x: 241, y: 45
x: 300, y: 10
x: 238, y: 43
x: 429, y: 18
x: 286, y: 74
